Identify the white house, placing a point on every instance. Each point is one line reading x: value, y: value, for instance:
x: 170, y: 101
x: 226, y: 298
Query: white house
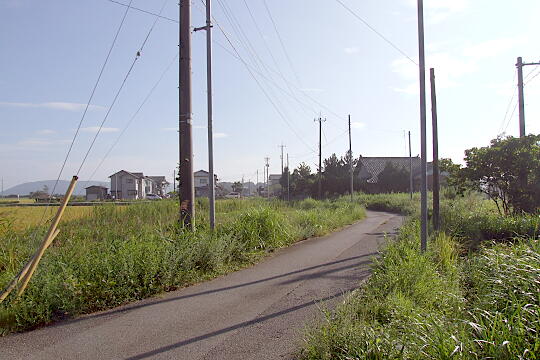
x: 200, y: 182
x: 131, y: 185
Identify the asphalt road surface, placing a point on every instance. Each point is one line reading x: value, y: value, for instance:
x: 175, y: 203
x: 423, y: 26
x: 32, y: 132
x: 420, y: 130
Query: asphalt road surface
x: 256, y: 313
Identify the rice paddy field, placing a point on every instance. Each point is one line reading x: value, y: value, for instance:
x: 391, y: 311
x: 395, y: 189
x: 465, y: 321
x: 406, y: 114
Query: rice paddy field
x: 25, y: 217
x: 110, y: 255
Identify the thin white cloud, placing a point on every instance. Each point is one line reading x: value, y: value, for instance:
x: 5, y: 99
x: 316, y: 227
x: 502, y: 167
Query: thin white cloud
x: 220, y: 135
x: 312, y: 90
x: 95, y: 129
x: 169, y: 129
x: 358, y: 125
x: 65, y: 106
x: 35, y: 142
x: 437, y: 11
x: 46, y: 132
x: 351, y: 50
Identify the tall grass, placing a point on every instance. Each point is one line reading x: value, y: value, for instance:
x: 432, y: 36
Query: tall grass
x: 445, y: 303
x: 117, y: 255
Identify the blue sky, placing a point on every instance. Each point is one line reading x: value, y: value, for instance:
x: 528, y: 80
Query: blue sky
x: 52, y: 52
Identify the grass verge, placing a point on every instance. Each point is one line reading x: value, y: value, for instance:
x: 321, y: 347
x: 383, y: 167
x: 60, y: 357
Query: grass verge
x: 443, y: 304
x: 114, y: 256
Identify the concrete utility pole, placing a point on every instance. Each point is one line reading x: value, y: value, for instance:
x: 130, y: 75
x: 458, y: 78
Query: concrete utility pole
x: 436, y: 184
x: 351, y: 161
x: 288, y: 180
x: 320, y: 120
x: 521, y: 97
x: 520, y: 64
x: 267, y: 159
x: 187, y: 191
x: 423, y: 146
x: 410, y: 168
x: 211, y: 185
x: 281, y: 157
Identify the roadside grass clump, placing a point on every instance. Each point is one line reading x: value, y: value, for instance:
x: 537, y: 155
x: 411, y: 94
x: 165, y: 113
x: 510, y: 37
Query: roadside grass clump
x: 449, y: 302
x: 116, y: 255
x: 504, y: 295
x: 409, y: 297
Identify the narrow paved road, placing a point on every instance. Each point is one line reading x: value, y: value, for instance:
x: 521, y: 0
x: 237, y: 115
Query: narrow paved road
x: 256, y: 313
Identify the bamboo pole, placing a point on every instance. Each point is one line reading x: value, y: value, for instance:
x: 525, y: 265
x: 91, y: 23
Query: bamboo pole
x: 48, y: 238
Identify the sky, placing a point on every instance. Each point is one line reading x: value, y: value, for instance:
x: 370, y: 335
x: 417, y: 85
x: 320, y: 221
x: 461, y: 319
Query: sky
x: 299, y: 59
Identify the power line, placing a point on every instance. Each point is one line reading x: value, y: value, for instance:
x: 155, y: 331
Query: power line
x: 137, y: 56
x: 281, y: 42
x: 376, y: 32
x: 145, y: 11
x: 134, y: 116
x: 509, y: 104
x: 128, y: 6
x: 260, y: 86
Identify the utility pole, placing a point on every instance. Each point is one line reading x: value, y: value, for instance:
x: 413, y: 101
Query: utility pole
x: 351, y: 160
x: 423, y: 145
x: 520, y: 64
x: 410, y: 168
x: 320, y: 120
x: 211, y: 185
x: 267, y: 159
x: 521, y: 97
x: 436, y: 185
x: 281, y: 157
x: 288, y: 180
x: 187, y: 192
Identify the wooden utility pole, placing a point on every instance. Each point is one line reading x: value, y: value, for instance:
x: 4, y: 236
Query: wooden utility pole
x: 351, y: 170
x: 187, y: 192
x: 211, y: 185
x: 320, y: 120
x: 423, y: 145
x: 411, y: 190
x: 436, y: 184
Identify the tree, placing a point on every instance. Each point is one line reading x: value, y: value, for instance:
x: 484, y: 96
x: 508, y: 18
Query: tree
x: 302, y: 181
x: 508, y: 171
x: 237, y: 187
x: 393, y: 179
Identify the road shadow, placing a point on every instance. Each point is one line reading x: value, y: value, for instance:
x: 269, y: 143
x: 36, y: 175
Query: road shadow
x: 153, y: 302
x: 230, y: 328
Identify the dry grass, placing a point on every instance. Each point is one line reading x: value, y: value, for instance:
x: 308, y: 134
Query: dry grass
x: 23, y: 218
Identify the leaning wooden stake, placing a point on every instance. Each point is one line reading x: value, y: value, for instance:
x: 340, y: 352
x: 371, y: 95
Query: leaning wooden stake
x: 13, y: 284
x: 48, y: 237
x: 28, y: 271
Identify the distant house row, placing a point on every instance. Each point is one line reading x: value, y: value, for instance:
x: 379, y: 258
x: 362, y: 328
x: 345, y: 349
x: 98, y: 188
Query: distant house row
x: 128, y: 185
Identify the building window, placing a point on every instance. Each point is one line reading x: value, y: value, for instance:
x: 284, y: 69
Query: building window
x: 204, y: 181
x: 132, y: 192
x: 129, y: 181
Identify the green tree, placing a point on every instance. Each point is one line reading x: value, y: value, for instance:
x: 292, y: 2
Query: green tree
x: 393, y: 179
x: 508, y: 171
x: 302, y: 181
x: 237, y: 187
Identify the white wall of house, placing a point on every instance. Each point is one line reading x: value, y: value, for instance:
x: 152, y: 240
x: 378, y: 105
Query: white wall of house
x: 128, y: 186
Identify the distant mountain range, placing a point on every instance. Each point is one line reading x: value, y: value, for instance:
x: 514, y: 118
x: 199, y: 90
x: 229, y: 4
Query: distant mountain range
x: 61, y: 188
